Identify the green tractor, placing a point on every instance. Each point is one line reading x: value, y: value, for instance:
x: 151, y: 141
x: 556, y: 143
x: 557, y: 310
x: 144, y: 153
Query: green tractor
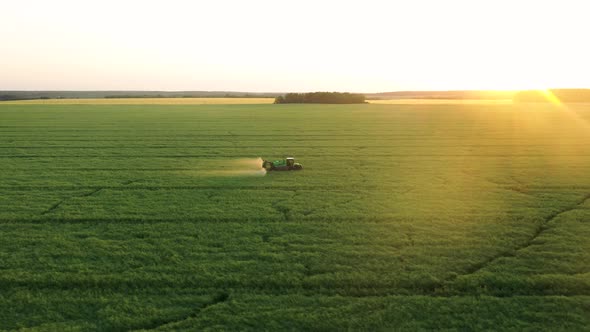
x: 287, y: 164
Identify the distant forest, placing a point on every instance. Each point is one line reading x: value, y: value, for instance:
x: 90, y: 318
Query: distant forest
x: 321, y: 98
x: 28, y: 95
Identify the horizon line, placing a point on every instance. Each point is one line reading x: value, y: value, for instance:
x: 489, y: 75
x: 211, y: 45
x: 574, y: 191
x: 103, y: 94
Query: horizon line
x: 280, y: 92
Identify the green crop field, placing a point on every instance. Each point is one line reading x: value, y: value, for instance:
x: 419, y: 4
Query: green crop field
x: 406, y: 217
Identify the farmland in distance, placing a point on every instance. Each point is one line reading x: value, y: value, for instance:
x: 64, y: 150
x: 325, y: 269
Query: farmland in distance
x: 407, y: 216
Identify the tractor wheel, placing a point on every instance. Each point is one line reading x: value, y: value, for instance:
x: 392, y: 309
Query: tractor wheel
x: 297, y: 167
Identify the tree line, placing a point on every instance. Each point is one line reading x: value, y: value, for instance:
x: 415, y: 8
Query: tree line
x: 321, y: 98
x: 30, y: 95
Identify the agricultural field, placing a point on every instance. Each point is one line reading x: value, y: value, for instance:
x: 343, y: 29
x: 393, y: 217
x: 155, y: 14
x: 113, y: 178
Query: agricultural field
x: 405, y: 216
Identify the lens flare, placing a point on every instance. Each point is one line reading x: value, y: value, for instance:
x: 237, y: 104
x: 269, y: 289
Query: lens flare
x: 552, y: 98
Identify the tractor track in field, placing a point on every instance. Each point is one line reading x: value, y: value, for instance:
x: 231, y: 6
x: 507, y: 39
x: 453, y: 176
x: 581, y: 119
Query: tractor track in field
x: 202, y: 187
x: 94, y: 191
x: 336, y: 188
x: 284, y: 210
x: 218, y: 299
x: 517, y: 187
x: 386, y: 220
x: 53, y: 207
x: 58, y: 204
x: 541, y: 228
x: 519, y: 190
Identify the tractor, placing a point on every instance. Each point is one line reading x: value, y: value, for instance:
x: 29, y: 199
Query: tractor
x: 287, y: 164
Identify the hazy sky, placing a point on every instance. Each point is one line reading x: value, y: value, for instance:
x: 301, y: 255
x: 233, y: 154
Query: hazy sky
x: 275, y: 45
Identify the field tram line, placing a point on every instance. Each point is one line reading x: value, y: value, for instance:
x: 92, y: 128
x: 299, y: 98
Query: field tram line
x: 53, y: 207
x: 541, y: 228
x: 92, y: 192
x: 218, y: 299
x: 153, y: 220
x: 284, y: 211
x: 517, y: 186
x: 125, y: 186
x: 57, y: 205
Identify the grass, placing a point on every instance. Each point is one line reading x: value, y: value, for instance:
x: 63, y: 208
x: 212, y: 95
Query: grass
x: 459, y: 217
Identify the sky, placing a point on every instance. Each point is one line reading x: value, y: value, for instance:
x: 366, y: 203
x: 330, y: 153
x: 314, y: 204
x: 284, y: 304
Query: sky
x: 304, y: 45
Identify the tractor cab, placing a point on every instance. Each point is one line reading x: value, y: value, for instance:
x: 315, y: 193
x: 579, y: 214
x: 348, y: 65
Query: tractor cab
x: 290, y: 161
